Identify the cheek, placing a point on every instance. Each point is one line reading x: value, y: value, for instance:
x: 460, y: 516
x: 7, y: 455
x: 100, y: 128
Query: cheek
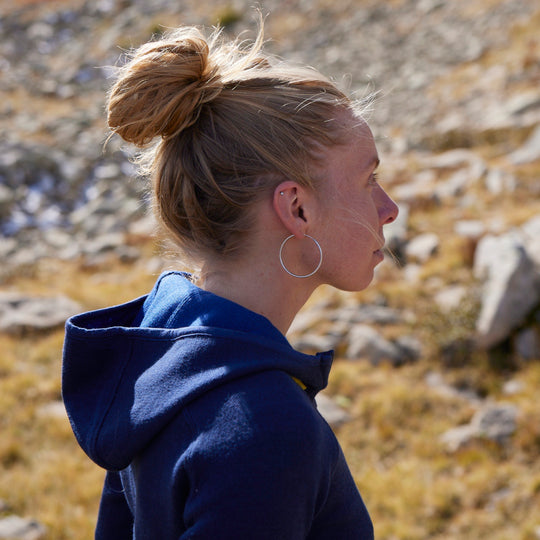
x: 361, y: 221
x: 351, y: 222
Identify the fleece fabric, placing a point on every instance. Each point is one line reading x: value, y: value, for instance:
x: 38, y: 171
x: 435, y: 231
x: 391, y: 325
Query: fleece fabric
x: 189, y: 401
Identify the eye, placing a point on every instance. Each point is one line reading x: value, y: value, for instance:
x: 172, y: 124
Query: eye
x: 373, y: 179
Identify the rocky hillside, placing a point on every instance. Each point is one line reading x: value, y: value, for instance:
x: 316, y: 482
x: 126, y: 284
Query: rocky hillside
x: 457, y: 120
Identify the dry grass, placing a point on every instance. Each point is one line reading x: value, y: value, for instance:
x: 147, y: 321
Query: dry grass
x: 412, y: 486
x: 45, y: 475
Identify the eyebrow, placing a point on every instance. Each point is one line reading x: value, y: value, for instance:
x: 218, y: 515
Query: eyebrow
x: 374, y: 163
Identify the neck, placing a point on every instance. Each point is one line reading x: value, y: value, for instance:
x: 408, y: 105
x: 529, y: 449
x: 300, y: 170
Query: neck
x: 267, y: 290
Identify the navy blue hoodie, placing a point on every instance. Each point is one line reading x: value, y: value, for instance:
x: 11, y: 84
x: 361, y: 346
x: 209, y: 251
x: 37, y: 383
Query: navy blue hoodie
x: 196, y: 407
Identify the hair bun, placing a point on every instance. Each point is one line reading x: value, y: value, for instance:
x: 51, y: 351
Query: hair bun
x: 160, y: 91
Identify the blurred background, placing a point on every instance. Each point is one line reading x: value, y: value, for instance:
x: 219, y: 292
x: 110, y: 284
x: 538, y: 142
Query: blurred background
x: 434, y: 392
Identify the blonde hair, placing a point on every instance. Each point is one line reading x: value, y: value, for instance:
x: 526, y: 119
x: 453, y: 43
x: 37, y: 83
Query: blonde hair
x: 220, y: 125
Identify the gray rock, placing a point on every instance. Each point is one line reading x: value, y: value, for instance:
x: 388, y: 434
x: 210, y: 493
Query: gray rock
x: 436, y: 381
x: 331, y: 412
x: 458, y: 437
x: 422, y: 247
x: 18, y: 528
x: 412, y: 273
x: 422, y: 188
x: 54, y: 409
x: 410, y: 349
x: 523, y: 102
x: 510, y: 290
x: 22, y: 313
x: 396, y: 233
x: 527, y: 344
x: 74, y: 170
x: 529, y: 152
x: 103, y: 243
x: 40, y: 30
x: 58, y: 238
x: 366, y: 342
x: 455, y: 185
x: 27, y: 255
x: 104, y: 213
x: 7, y: 198
x: 472, y: 228
x: 496, y: 422
x: 8, y: 247
x: 454, y: 159
x: 144, y: 226
x: 499, y: 181
x: 485, y: 256
x: 513, y: 387
x: 469, y: 170
x: 450, y: 298
x: 313, y: 342
x: 531, y: 239
x: 365, y: 313
x: 108, y: 171
x: 55, y: 53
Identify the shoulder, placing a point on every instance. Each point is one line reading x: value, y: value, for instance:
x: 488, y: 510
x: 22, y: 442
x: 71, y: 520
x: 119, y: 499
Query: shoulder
x: 268, y: 410
x: 255, y: 443
x: 272, y: 397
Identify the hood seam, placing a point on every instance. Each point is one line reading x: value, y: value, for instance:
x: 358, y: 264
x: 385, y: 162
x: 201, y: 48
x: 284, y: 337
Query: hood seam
x: 114, y: 394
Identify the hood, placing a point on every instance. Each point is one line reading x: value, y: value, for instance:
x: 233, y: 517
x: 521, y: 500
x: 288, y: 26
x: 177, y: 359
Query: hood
x: 129, y: 369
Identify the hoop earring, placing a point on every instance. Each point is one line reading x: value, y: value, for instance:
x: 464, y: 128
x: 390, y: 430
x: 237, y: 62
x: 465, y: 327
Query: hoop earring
x: 283, y: 264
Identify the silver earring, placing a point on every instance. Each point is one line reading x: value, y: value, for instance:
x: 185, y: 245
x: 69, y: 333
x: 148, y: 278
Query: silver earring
x: 281, y: 193
x: 283, y: 264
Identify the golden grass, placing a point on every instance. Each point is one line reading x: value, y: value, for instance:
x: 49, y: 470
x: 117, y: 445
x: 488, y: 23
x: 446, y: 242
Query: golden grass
x: 45, y: 475
x: 413, y: 488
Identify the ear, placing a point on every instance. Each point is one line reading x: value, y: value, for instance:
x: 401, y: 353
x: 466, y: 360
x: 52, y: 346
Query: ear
x: 294, y: 206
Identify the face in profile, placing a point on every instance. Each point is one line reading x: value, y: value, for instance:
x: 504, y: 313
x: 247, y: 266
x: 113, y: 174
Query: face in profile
x: 353, y: 211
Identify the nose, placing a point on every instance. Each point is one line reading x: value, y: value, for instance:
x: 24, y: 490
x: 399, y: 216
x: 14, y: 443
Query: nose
x: 388, y: 210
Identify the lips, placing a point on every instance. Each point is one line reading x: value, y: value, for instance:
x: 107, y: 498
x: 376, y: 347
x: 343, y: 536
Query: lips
x: 380, y: 251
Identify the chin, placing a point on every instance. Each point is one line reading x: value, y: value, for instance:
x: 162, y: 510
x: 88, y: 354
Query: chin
x: 355, y: 285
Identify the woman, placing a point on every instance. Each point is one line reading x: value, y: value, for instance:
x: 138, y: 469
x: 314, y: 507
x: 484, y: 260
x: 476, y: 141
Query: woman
x: 191, y: 397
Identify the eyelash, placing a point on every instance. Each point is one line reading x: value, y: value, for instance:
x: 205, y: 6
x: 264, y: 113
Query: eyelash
x: 374, y: 179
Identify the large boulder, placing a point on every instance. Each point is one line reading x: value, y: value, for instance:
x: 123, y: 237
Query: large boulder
x: 510, y: 288
x: 531, y: 239
x: 18, y: 528
x: 529, y: 151
x: 20, y: 313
